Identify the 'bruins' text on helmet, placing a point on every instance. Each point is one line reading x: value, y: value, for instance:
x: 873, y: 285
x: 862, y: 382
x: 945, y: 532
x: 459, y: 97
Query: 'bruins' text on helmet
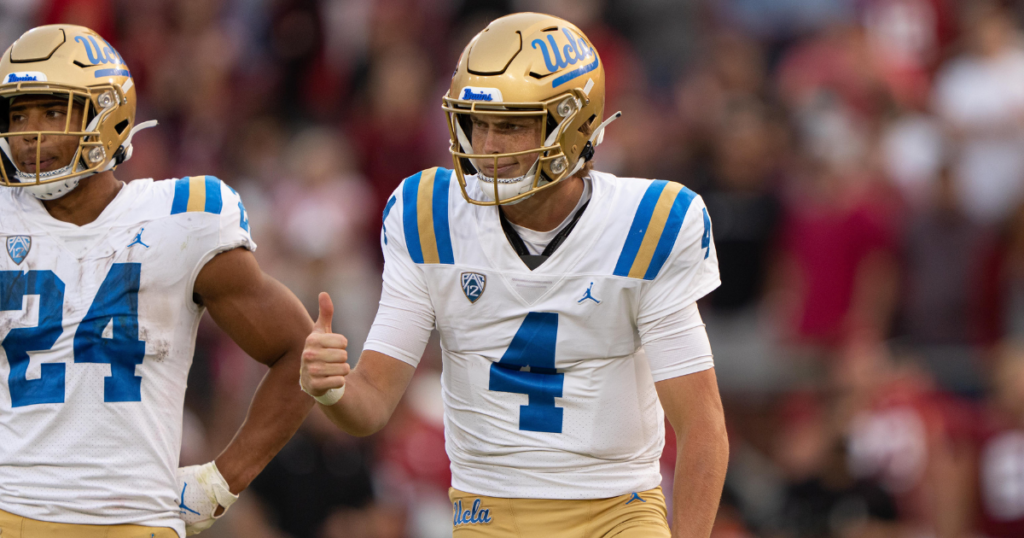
x: 75, y: 63
x: 533, y: 65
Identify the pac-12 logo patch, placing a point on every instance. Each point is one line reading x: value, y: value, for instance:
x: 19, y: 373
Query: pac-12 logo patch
x: 470, y: 516
x: 473, y: 285
x: 18, y: 247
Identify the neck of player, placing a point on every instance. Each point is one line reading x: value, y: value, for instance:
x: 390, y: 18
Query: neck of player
x: 86, y: 201
x: 545, y: 210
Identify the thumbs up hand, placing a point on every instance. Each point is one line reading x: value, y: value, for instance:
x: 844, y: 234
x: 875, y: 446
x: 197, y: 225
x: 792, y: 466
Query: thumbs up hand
x: 324, y: 358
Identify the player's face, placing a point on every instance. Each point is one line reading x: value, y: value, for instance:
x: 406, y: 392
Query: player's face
x: 505, y: 134
x: 30, y: 113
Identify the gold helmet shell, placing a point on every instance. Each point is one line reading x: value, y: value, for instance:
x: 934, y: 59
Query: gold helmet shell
x: 76, y: 63
x: 529, y: 64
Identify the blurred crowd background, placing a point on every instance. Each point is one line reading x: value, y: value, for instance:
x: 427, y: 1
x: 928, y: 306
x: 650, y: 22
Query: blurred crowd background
x: 862, y: 162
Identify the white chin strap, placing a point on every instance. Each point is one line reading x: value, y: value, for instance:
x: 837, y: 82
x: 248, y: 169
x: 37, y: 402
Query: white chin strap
x: 514, y: 186
x: 57, y: 189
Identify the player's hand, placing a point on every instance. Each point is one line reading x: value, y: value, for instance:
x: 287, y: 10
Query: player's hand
x: 324, y: 359
x: 203, y: 496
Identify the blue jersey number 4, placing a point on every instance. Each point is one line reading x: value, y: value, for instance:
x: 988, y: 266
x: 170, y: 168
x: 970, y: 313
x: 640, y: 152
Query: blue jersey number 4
x: 533, y: 347
x: 116, y: 305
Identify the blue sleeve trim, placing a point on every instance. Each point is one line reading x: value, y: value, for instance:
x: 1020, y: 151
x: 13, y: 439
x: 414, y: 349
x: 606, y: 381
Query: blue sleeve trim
x: 384, y: 219
x: 410, y: 191
x: 214, y: 201
x: 639, y: 228
x: 442, y: 179
x: 180, y: 203
x: 668, y: 236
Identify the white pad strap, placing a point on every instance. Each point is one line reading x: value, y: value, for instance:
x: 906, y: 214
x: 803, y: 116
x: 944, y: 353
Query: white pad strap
x: 127, y: 145
x: 595, y: 139
x: 6, y: 149
x: 598, y: 136
x: 92, y: 124
x: 144, y: 125
x: 461, y: 135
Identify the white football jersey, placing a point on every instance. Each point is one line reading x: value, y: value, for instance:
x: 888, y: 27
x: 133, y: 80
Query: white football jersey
x: 97, y: 331
x: 546, y: 388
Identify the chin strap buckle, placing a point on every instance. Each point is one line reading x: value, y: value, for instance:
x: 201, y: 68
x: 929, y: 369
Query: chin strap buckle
x: 588, y: 152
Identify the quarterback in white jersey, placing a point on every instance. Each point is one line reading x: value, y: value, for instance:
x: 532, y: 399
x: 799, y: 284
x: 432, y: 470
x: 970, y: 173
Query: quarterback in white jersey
x: 565, y: 299
x: 102, y: 286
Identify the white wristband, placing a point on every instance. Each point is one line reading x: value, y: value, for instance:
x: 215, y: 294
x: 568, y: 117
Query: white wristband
x: 330, y: 397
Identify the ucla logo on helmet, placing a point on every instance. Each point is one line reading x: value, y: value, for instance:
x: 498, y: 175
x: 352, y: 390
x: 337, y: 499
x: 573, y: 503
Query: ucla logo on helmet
x: 18, y: 247
x: 559, y: 56
x: 473, y: 285
x: 25, y: 76
x: 471, y: 516
x: 473, y: 93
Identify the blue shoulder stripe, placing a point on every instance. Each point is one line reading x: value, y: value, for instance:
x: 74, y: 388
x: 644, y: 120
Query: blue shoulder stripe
x: 425, y: 216
x: 384, y: 219
x: 410, y: 189
x: 442, y: 180
x: 638, y: 228
x: 200, y: 193
x: 214, y: 201
x: 180, y: 202
x: 657, y: 222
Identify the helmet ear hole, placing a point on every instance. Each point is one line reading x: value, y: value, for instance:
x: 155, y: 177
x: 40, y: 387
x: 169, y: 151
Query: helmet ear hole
x: 120, y: 127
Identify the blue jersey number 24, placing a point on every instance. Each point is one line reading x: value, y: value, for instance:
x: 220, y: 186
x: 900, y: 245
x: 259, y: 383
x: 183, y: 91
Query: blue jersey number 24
x: 116, y: 305
x: 533, y: 346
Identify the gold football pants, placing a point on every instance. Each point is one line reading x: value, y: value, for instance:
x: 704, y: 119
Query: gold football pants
x: 635, y: 515
x: 12, y: 526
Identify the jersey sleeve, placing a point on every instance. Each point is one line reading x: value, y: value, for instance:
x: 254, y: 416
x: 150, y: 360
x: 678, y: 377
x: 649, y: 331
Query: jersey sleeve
x: 214, y: 217
x: 405, y: 316
x: 689, y: 273
x: 234, y: 222
x: 207, y: 195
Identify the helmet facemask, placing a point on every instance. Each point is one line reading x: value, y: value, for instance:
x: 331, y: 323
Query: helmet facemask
x: 557, y: 116
x: 97, y: 104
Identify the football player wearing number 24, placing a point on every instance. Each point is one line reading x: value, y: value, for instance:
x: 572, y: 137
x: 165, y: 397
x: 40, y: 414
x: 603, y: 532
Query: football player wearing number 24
x: 565, y: 299
x: 101, y: 291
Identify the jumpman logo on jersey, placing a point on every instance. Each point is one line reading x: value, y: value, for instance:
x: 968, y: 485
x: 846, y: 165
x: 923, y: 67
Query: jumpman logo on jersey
x: 138, y: 240
x: 587, y: 295
x: 182, y: 503
x: 635, y: 497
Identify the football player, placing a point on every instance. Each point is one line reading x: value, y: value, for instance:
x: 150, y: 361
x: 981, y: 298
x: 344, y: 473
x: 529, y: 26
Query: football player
x: 565, y: 301
x: 102, y: 287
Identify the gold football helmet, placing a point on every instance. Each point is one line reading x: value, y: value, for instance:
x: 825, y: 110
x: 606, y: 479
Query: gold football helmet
x: 534, y: 65
x: 76, y: 63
